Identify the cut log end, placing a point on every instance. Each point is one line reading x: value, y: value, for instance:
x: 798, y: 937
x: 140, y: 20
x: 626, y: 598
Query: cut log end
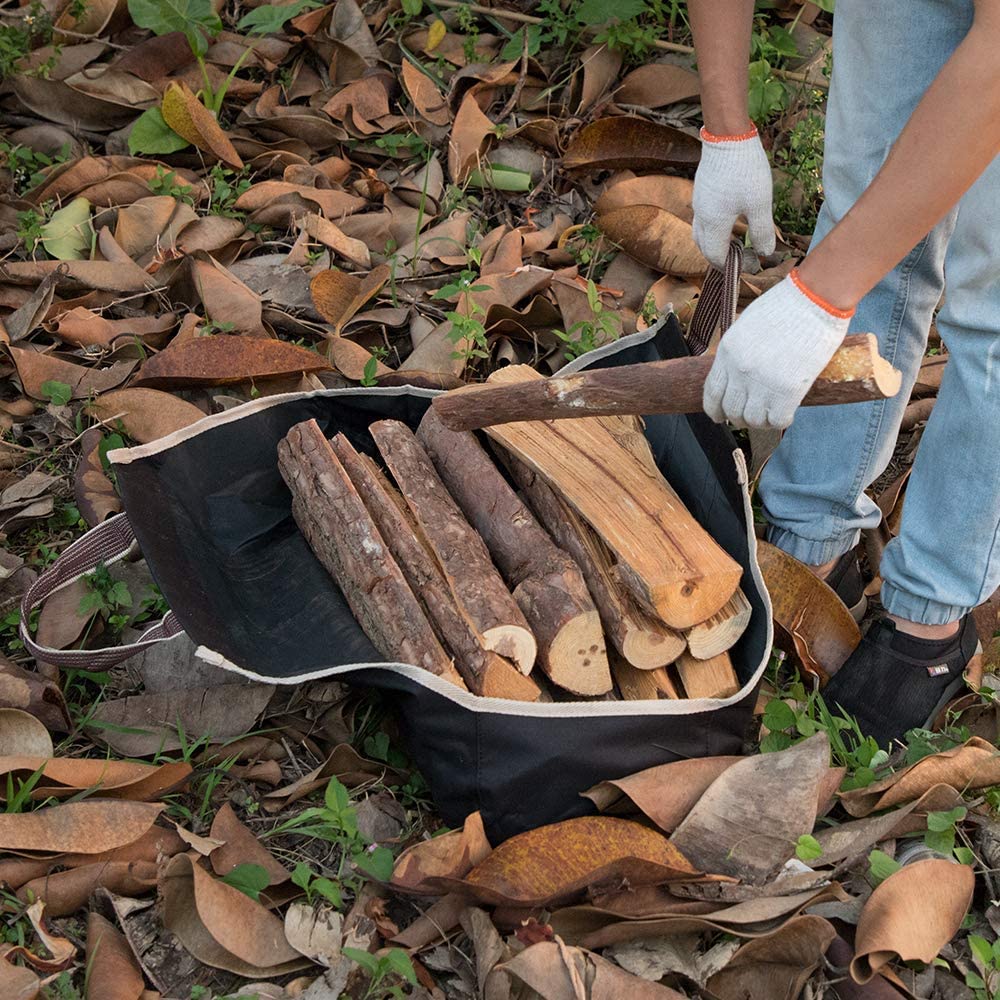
x: 859, y: 361
x: 647, y: 650
x: 642, y: 685
x: 577, y: 659
x: 722, y: 630
x: 513, y: 642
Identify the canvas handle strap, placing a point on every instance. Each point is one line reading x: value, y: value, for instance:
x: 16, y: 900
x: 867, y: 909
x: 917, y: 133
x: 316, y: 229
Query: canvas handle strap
x: 717, y: 303
x: 110, y: 542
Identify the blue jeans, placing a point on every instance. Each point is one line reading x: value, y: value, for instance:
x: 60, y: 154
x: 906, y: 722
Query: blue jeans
x: 946, y: 559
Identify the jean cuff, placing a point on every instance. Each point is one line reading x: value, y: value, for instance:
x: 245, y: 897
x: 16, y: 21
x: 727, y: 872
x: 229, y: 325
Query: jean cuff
x: 811, y: 551
x: 919, y: 609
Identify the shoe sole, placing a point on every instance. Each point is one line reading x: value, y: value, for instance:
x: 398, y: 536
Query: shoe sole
x: 973, y: 670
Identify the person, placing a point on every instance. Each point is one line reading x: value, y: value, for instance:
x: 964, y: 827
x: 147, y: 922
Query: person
x: 911, y: 181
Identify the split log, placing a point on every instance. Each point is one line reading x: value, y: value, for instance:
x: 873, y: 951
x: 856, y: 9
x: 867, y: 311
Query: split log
x: 664, y: 557
x: 714, y: 678
x: 545, y: 582
x: 462, y: 555
x: 642, y: 685
x: 485, y: 672
x: 856, y: 373
x: 641, y: 639
x: 339, y: 530
x: 722, y: 630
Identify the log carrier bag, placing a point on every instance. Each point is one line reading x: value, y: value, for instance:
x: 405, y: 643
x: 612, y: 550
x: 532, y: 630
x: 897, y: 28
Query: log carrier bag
x: 213, y: 519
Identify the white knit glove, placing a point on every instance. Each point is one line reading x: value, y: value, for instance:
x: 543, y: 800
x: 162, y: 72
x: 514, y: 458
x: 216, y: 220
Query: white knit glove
x: 769, y: 358
x: 733, y: 179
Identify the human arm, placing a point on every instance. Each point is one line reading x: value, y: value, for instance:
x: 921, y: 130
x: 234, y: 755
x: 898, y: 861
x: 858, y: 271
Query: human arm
x: 734, y: 176
x: 777, y: 347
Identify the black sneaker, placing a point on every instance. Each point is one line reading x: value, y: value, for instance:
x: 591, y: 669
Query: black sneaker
x: 846, y: 581
x: 894, y: 682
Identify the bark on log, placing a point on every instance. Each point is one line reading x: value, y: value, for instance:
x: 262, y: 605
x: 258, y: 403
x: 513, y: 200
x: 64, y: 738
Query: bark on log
x: 917, y: 412
x: 344, y: 538
x: 641, y: 639
x: 664, y: 557
x: 547, y: 585
x: 714, y: 678
x: 642, y: 685
x: 722, y: 630
x: 855, y: 374
x: 483, y: 671
x: 460, y: 552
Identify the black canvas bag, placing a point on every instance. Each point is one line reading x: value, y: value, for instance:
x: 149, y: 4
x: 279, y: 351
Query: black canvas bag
x: 212, y: 517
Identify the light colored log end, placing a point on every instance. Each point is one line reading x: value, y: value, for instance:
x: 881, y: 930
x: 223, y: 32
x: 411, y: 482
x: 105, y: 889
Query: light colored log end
x: 722, y: 630
x: 514, y: 643
x: 861, y: 362
x: 577, y: 659
x: 501, y: 679
x: 647, y: 649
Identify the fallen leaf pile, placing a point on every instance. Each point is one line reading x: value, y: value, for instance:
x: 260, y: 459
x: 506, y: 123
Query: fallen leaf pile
x: 202, y: 204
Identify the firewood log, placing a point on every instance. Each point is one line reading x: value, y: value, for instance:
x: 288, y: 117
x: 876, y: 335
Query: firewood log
x: 484, y: 671
x: 664, y: 557
x: 546, y: 582
x: 714, y: 678
x: 644, y: 641
x: 342, y: 535
x: 642, y: 685
x: 856, y: 373
x: 462, y: 555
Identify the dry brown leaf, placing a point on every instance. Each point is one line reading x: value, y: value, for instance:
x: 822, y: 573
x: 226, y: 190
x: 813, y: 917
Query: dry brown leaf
x: 66, y: 892
x: 85, y: 328
x: 112, y: 971
x: 672, y: 194
x: 338, y: 295
x: 345, y: 764
x: 22, y: 733
x: 748, y: 821
x: 428, y: 101
x: 332, y: 203
x: 601, y: 65
x: 143, y: 724
x: 973, y: 765
x: 658, y: 84
x: 221, y: 360
x: 146, y: 414
x: 111, y: 779
x: 16, y: 981
x: 625, y: 143
x: 853, y: 839
x: 554, y: 863
x: 912, y: 915
x: 352, y: 360
x: 810, y: 620
x: 226, y: 299
x: 88, y: 827
x: 60, y: 623
x: 331, y: 236
x: 80, y: 275
x: 191, y: 120
x: 33, y: 693
x: 315, y: 932
x: 666, y: 793
x: 95, y: 496
x: 34, y: 369
x: 558, y: 972
x: 452, y: 855
x: 222, y: 927
x: 240, y: 847
x: 776, y: 966
x: 469, y: 140
x: 654, y: 237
